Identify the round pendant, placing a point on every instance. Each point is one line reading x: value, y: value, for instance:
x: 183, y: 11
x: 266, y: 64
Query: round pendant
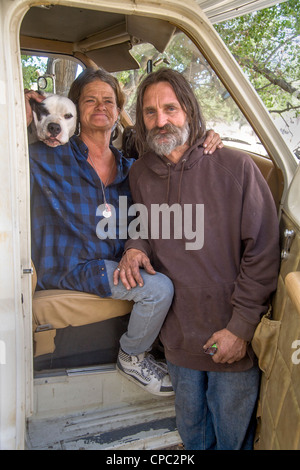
x: 106, y: 213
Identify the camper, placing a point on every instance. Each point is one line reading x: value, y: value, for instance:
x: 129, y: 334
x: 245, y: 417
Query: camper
x: 59, y: 387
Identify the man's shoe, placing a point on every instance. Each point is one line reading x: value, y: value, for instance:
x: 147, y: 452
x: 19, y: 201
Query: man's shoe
x: 143, y: 370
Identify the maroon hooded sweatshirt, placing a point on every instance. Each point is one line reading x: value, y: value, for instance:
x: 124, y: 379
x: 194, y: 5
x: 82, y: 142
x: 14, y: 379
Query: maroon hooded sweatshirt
x: 224, y: 265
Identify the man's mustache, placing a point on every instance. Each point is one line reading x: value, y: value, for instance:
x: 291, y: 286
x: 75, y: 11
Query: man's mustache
x: 168, y: 128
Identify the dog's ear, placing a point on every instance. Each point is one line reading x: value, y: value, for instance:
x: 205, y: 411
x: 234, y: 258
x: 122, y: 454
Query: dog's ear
x: 39, y: 109
x: 31, y: 133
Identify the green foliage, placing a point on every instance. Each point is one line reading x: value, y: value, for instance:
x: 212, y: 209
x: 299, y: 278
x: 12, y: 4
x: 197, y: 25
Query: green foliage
x: 32, y: 68
x: 266, y: 45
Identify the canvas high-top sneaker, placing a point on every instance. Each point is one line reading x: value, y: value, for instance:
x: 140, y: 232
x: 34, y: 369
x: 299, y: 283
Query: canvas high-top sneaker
x: 143, y: 370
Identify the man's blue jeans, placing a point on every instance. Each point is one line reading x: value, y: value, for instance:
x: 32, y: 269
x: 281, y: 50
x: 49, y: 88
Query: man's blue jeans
x: 152, y: 303
x: 215, y: 410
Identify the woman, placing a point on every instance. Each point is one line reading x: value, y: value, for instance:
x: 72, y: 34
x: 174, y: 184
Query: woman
x: 77, y: 233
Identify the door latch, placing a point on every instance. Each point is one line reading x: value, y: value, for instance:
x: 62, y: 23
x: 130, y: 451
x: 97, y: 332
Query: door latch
x: 288, y: 238
x: 27, y: 270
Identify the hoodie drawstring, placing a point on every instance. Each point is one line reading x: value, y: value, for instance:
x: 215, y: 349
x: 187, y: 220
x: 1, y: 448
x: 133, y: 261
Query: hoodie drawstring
x: 168, y: 181
x: 180, y: 181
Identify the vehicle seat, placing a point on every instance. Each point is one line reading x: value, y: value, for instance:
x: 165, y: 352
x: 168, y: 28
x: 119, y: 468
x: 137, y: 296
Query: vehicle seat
x: 272, y: 175
x: 72, y: 328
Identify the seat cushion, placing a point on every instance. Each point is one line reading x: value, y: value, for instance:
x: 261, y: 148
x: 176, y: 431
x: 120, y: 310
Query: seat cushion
x: 63, y: 308
x: 56, y: 309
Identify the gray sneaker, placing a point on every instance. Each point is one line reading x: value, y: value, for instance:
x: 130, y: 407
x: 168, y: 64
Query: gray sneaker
x: 145, y: 372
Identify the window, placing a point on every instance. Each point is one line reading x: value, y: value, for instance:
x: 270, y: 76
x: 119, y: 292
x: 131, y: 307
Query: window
x: 219, y: 109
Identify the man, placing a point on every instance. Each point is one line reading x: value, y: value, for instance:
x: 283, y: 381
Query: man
x: 221, y: 253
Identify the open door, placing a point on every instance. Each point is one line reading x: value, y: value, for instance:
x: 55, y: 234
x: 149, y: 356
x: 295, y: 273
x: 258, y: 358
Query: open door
x: 279, y: 404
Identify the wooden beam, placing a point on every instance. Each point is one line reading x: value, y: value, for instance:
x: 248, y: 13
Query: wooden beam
x: 46, y: 45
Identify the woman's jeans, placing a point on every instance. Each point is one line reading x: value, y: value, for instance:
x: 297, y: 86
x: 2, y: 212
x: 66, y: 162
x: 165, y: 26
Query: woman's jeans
x: 151, y: 305
x: 215, y: 410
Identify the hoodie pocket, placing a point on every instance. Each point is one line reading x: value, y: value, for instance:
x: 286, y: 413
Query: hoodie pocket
x: 196, y: 313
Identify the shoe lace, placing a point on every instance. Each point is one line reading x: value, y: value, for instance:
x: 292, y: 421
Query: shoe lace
x: 150, y: 364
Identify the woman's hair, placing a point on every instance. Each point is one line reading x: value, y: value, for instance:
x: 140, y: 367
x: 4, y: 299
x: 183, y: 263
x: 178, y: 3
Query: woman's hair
x: 90, y: 75
x: 186, y: 98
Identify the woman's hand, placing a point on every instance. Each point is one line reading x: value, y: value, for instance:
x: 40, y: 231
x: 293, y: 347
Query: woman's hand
x: 212, y: 142
x: 31, y: 94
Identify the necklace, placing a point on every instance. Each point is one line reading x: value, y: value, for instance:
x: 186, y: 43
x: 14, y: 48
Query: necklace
x: 107, y: 211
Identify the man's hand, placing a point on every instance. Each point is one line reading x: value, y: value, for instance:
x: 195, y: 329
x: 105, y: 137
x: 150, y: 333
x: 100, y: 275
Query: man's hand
x: 231, y: 348
x: 129, y: 268
x: 212, y: 142
x: 31, y: 94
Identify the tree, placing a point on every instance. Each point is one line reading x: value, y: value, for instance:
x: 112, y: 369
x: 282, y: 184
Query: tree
x: 32, y: 68
x: 266, y: 45
x: 65, y: 73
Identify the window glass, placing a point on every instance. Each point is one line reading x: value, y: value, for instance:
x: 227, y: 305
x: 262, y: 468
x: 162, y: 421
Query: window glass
x: 219, y: 109
x: 49, y: 74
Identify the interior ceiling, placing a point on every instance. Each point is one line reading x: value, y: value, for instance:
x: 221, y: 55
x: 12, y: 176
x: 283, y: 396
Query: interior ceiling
x: 106, y: 38
x: 51, y: 22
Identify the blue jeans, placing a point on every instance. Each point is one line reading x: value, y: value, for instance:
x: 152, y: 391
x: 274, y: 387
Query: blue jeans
x: 151, y: 305
x: 215, y: 410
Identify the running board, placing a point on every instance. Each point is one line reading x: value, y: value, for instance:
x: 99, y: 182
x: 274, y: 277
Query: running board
x: 140, y: 427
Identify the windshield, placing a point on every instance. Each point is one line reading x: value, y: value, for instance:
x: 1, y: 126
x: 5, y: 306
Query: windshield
x: 220, y: 111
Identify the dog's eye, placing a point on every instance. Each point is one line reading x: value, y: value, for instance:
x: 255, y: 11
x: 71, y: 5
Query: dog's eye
x: 68, y: 116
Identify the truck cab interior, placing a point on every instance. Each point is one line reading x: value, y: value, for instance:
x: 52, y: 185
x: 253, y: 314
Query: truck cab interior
x: 74, y: 336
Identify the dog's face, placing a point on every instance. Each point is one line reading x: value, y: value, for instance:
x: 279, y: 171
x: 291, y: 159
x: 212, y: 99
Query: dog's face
x: 55, y: 119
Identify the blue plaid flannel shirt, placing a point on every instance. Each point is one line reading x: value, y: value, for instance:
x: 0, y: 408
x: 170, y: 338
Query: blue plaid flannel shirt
x: 65, y: 194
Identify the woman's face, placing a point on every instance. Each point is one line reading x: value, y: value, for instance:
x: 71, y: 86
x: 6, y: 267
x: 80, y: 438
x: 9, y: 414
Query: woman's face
x: 98, y: 107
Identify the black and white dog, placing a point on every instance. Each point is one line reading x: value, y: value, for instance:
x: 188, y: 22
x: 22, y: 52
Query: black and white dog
x: 54, y: 120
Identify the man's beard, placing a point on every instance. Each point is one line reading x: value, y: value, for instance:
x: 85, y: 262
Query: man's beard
x: 164, y: 144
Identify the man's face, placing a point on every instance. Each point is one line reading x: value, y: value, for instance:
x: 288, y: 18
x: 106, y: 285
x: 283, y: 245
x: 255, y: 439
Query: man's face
x: 164, y: 118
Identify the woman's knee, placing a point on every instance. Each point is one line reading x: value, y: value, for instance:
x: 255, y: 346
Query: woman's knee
x: 160, y: 285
